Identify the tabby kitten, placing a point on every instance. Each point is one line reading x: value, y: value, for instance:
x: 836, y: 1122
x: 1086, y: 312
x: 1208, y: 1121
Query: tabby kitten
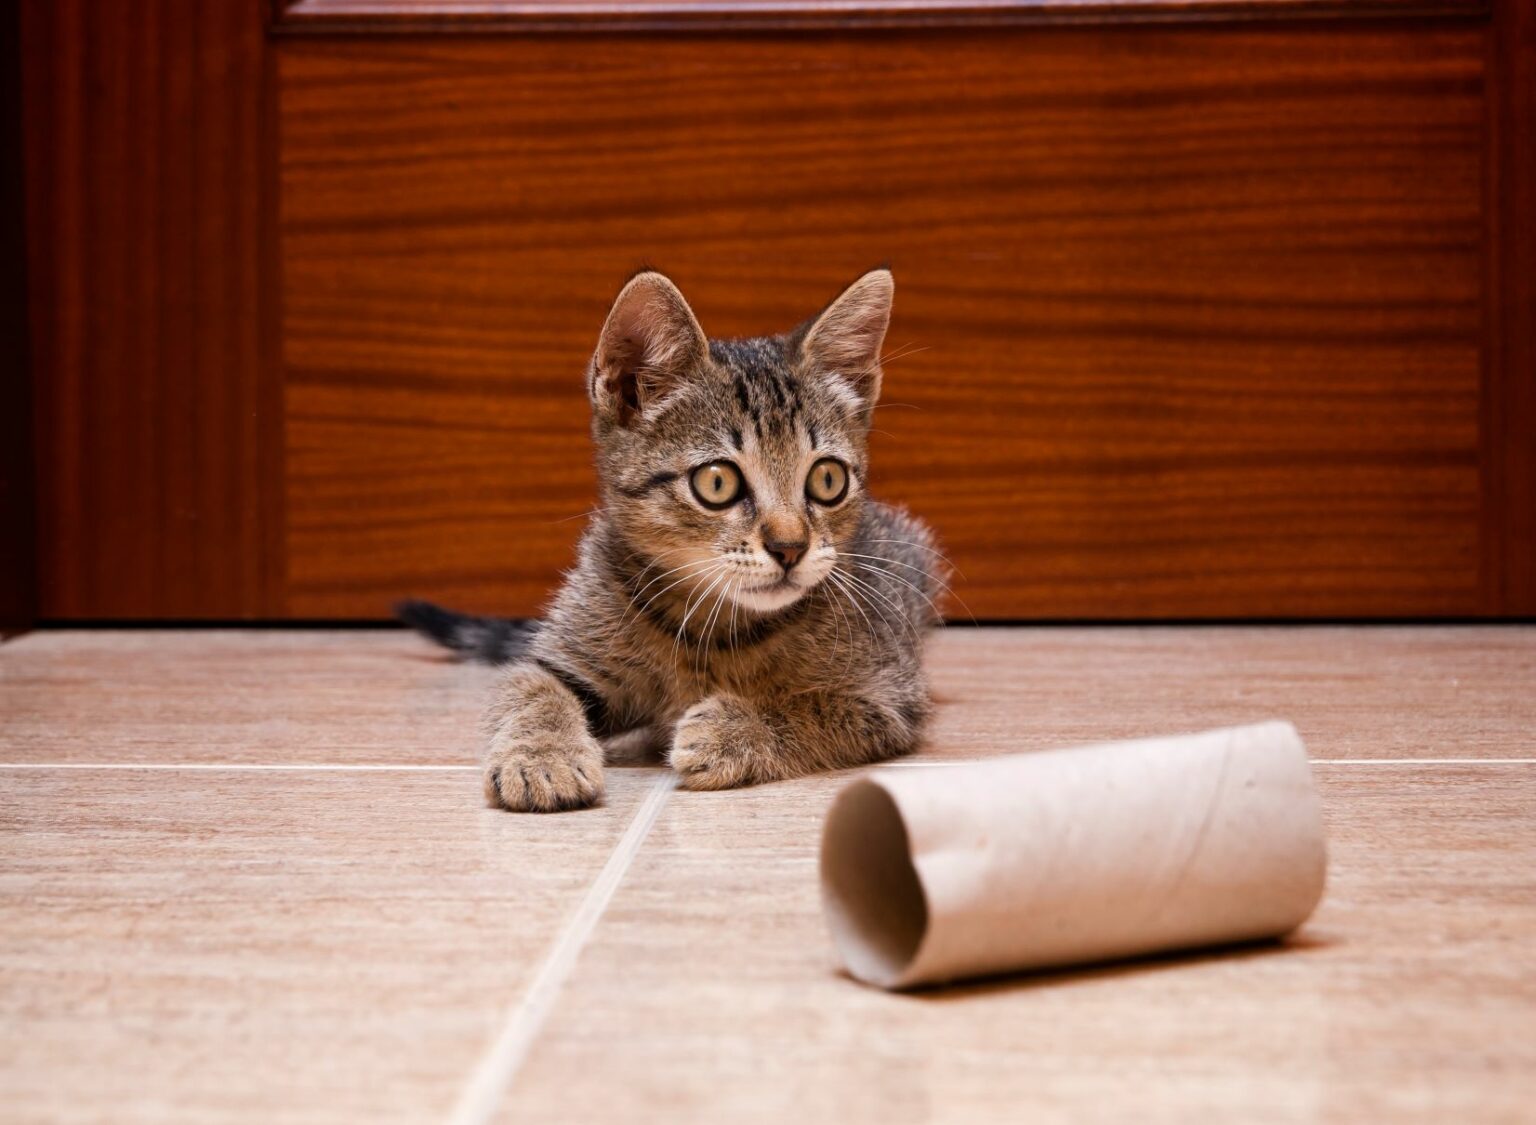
x: 738, y: 601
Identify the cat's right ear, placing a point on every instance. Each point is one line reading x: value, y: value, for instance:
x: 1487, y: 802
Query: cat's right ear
x: 650, y: 344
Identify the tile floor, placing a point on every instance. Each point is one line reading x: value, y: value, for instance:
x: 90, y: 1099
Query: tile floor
x: 247, y: 876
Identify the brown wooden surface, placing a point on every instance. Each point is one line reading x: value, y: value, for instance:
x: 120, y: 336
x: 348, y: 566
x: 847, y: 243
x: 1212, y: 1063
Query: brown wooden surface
x: 1195, y: 313
x: 18, y: 531
x: 479, y: 16
x: 1510, y: 395
x: 1217, y: 321
x: 146, y: 189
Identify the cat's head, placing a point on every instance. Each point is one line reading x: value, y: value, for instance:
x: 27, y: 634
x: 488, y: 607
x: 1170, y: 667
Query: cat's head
x: 736, y: 467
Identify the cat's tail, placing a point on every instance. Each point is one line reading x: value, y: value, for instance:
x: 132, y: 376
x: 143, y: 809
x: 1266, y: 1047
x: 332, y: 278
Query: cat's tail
x: 488, y: 640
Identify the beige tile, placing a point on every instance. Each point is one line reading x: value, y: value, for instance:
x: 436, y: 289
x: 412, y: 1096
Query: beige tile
x: 363, y: 696
x: 708, y: 992
x: 322, y: 946
x: 343, y: 945
x: 1352, y: 691
x: 238, y: 696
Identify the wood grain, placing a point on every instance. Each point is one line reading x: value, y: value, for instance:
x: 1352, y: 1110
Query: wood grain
x: 709, y: 993
x: 147, y: 184
x: 18, y: 526
x: 523, y: 16
x: 1194, y: 313
x: 1509, y: 416
x: 206, y: 946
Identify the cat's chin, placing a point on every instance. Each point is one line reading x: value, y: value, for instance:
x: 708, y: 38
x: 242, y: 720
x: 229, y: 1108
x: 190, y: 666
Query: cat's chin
x: 769, y: 599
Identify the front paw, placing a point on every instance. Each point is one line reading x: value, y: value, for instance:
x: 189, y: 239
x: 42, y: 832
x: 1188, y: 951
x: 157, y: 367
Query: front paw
x: 541, y: 771
x: 720, y: 742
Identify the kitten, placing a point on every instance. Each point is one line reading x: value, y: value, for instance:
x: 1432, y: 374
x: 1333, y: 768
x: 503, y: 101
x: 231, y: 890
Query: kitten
x: 738, y: 599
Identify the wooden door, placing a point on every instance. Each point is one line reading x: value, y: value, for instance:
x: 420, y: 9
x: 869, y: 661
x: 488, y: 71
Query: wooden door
x: 1204, y: 309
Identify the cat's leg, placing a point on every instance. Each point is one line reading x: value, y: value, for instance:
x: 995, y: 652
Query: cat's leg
x: 645, y: 745
x: 726, y: 740
x: 541, y: 756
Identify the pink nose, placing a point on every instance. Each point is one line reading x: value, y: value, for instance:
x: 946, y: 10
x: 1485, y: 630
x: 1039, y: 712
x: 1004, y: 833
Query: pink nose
x: 788, y: 554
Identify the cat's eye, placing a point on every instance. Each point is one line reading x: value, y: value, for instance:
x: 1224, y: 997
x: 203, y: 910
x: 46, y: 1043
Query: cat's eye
x: 717, y: 484
x: 827, y: 482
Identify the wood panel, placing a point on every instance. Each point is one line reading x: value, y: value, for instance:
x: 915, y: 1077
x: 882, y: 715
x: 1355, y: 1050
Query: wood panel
x: 523, y: 16
x: 1509, y: 405
x: 1193, y: 315
x: 18, y: 530
x: 148, y: 242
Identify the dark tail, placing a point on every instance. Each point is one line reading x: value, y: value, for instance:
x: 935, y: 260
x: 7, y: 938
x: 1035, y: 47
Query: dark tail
x: 490, y: 640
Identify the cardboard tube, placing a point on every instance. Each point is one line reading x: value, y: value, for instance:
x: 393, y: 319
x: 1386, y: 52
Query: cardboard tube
x: 1070, y: 856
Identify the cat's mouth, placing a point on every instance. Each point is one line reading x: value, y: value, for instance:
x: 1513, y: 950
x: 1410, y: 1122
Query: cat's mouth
x: 771, y: 596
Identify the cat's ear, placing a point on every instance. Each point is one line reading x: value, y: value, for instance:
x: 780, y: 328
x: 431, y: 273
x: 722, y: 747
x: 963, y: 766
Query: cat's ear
x: 651, y: 342
x: 845, y: 339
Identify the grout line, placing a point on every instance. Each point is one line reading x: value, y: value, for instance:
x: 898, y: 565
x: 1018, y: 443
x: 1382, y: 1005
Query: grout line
x: 300, y: 766
x: 340, y: 767
x: 1312, y: 761
x: 494, y: 1074
x: 1423, y: 761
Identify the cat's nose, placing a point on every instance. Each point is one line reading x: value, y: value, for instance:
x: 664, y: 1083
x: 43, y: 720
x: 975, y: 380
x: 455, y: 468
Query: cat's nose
x: 786, y: 552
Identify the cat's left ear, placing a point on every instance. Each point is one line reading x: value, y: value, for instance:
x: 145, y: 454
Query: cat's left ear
x: 845, y: 339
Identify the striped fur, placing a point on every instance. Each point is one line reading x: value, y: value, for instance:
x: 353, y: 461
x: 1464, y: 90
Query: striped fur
x: 677, y: 629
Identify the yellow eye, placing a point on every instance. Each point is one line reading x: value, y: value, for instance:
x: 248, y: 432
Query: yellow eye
x: 717, y: 484
x: 828, y: 482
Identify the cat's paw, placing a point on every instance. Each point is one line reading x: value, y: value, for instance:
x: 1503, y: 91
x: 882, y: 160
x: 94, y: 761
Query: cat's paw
x: 540, y: 771
x: 720, y: 742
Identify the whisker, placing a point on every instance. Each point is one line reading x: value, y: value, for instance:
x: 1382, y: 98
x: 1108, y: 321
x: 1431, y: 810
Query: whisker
x: 841, y: 579
x: 841, y: 614
x: 709, y: 626
x: 864, y: 587
x: 934, y: 551
x: 673, y: 570
x: 893, y: 562
x: 633, y: 602
x: 629, y: 555
x: 698, y: 592
x: 932, y: 605
x: 914, y: 588
x: 679, y: 582
x: 901, y: 616
x: 901, y: 351
x: 897, y: 353
x: 730, y: 643
x: 677, y: 638
x: 682, y: 629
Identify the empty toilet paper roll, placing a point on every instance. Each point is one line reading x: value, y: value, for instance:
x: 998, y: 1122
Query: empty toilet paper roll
x: 1067, y: 856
